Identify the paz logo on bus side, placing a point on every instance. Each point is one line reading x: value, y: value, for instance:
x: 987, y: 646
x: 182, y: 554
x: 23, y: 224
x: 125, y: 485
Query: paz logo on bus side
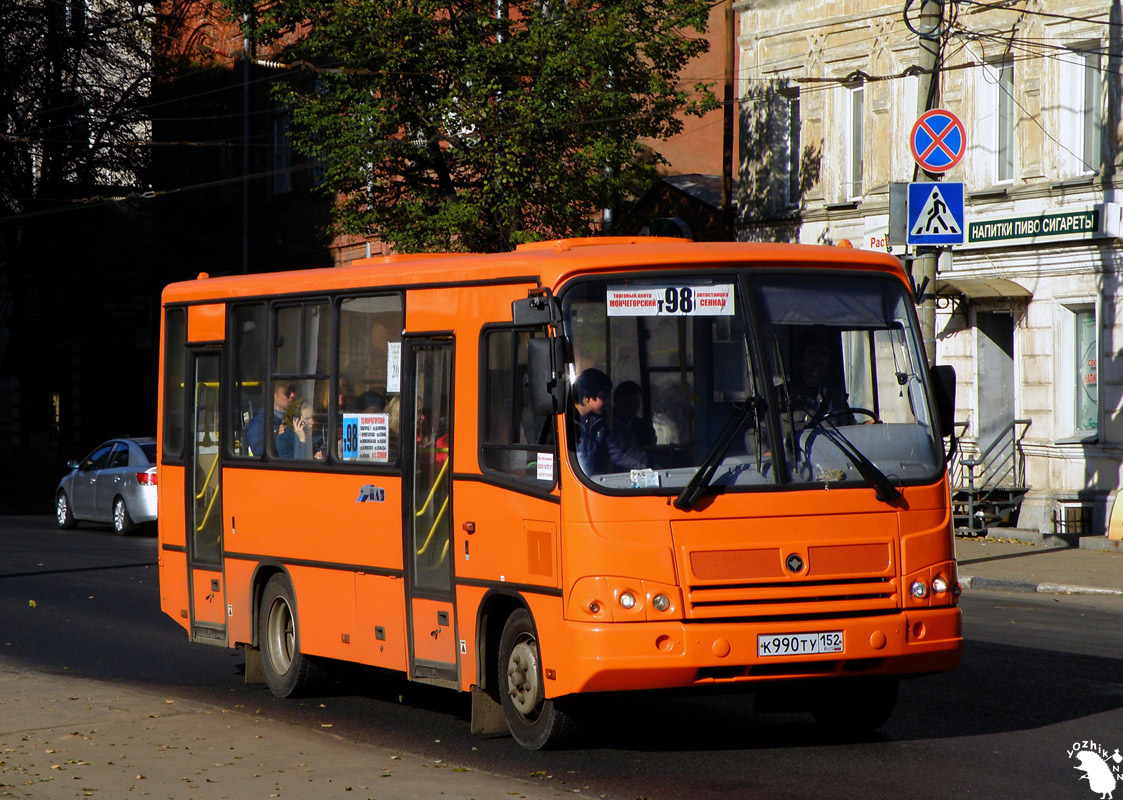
x: 938, y: 140
x: 372, y: 494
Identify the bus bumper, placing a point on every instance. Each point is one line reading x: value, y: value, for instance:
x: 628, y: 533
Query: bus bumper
x: 662, y: 655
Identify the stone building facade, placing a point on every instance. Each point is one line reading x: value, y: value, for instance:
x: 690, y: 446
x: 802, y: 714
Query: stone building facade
x: 1029, y: 307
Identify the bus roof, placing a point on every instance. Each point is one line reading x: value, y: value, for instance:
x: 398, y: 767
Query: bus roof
x: 544, y: 263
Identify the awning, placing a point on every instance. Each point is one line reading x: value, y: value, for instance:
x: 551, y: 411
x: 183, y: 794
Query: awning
x: 980, y: 287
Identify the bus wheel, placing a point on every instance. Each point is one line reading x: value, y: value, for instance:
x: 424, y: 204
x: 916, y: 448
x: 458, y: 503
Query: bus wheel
x: 535, y: 722
x: 856, y: 706
x: 288, y: 672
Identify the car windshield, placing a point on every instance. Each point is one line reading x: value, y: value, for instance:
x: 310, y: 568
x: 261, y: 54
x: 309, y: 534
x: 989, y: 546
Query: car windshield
x: 747, y: 380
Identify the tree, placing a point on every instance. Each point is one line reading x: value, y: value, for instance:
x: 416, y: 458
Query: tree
x: 444, y: 125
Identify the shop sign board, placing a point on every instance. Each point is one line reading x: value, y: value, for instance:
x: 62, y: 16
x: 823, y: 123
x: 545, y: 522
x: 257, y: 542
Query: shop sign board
x: 1084, y: 223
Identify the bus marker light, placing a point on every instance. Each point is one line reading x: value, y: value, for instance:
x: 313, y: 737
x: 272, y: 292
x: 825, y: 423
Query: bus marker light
x: 918, y: 590
x: 594, y: 607
x: 661, y: 602
x: 627, y: 600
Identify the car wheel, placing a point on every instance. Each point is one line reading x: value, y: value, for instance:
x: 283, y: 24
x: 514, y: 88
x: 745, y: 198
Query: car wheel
x: 63, y: 514
x: 288, y: 672
x: 122, y: 523
x: 535, y: 722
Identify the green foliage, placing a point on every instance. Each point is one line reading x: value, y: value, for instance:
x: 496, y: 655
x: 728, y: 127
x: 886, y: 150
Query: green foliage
x: 440, y: 126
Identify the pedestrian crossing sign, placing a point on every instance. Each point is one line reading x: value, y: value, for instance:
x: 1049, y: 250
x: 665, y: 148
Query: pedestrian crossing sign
x: 935, y: 213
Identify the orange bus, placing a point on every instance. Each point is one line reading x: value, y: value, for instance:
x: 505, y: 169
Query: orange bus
x: 584, y: 466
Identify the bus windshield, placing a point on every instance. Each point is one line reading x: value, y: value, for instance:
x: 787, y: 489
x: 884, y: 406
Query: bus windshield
x: 739, y: 381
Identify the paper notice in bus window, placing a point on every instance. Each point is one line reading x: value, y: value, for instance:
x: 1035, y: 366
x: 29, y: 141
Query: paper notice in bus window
x: 546, y: 467
x: 393, y: 367
x: 366, y: 437
x: 671, y: 301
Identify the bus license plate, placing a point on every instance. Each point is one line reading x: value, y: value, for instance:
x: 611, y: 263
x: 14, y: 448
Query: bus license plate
x: 798, y: 644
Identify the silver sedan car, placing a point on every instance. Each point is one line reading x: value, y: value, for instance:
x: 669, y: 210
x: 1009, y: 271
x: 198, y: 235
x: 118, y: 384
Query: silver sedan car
x: 116, y: 483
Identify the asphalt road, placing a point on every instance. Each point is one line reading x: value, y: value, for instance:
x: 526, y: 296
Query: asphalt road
x: 1039, y: 673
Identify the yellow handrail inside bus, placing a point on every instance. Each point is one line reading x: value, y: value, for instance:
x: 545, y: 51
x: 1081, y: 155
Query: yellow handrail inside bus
x: 207, y: 515
x: 433, y: 530
x: 436, y: 483
x: 207, y: 482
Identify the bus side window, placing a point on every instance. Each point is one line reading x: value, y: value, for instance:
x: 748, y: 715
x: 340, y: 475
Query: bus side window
x: 368, y: 385
x: 175, y: 375
x: 249, y: 353
x: 514, y: 442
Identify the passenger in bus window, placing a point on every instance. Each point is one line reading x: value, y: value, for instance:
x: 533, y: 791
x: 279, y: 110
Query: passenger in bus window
x: 598, y: 450
x: 815, y: 394
x: 255, y: 431
x: 296, y: 439
x: 628, y: 423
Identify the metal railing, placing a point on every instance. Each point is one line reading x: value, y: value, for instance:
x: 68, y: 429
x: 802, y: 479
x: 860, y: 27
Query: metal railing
x: 998, y: 467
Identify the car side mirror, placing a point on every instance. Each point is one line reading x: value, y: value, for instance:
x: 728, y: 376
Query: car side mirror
x: 73, y: 464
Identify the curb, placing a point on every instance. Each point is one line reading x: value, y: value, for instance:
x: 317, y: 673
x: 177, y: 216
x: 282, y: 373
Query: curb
x: 1003, y: 585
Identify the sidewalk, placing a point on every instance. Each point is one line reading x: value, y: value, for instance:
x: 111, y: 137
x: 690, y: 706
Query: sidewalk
x: 1008, y: 564
x: 63, y: 737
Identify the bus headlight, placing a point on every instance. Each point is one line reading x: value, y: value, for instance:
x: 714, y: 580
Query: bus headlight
x: 623, y: 599
x: 919, y: 590
x: 939, y: 584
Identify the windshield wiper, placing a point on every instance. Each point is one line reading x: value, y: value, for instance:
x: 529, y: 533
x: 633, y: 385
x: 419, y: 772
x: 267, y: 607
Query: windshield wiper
x: 883, y: 490
x: 701, y: 480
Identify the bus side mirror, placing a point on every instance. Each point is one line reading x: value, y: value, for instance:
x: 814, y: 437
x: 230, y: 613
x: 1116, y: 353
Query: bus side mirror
x: 537, y: 310
x: 544, y: 360
x: 943, y: 387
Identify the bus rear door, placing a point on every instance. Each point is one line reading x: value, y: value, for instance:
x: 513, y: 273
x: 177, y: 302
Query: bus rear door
x: 203, y: 499
x: 427, y: 432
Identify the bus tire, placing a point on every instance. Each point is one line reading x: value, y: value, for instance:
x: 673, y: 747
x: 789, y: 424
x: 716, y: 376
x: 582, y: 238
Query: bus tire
x: 536, y: 722
x: 288, y: 671
x: 857, y: 705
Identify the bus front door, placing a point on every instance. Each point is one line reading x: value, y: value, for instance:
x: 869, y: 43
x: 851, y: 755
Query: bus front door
x: 204, y: 501
x: 427, y: 434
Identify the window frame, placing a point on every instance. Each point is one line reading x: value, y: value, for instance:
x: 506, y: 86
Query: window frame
x: 792, y: 144
x: 1081, y: 127
x: 270, y: 376
x: 853, y: 142
x: 1067, y: 371
x: 175, y: 398
x: 529, y: 486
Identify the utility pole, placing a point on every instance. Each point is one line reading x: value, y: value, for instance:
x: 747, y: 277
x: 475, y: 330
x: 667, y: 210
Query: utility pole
x: 929, y: 30
x: 727, y: 212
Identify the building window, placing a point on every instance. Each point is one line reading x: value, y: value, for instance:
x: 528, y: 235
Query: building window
x: 1081, y: 115
x: 282, y: 154
x: 996, y: 119
x: 1087, y: 403
x: 853, y: 119
x: 1004, y: 130
x: 792, y: 145
x: 1077, y: 396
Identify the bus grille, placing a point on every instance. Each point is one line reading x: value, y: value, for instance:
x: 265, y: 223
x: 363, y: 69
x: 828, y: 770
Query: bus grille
x: 791, y: 598
x: 837, y: 580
